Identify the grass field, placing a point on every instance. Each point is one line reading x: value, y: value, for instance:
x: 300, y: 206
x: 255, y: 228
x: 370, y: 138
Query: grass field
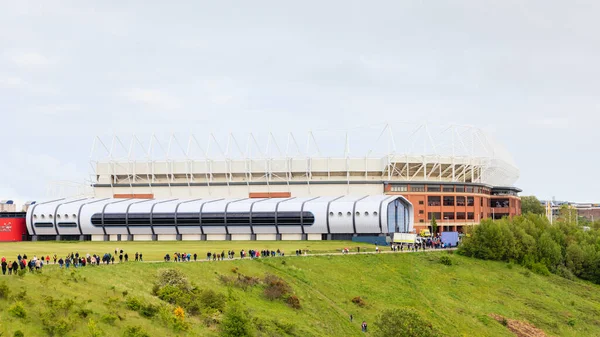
x: 156, y: 250
x: 457, y: 299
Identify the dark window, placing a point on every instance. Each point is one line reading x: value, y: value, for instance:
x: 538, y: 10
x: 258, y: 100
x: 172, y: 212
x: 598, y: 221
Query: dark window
x: 206, y: 219
x: 434, y: 201
x: 460, y: 201
x: 421, y: 202
x: 437, y: 215
x: 421, y: 220
x: 448, y: 201
x: 469, y: 189
x: 470, y: 216
x: 434, y: 188
x: 470, y: 201
x: 448, y: 216
x: 421, y: 211
x: 460, y: 216
x: 460, y: 189
x: 448, y: 189
x: 417, y: 188
x: 481, y: 202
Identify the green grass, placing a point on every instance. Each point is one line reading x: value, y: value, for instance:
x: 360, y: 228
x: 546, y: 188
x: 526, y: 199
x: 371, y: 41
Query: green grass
x: 457, y: 299
x: 156, y: 250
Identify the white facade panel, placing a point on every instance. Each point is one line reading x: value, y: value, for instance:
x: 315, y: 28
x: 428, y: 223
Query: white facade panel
x: 319, y: 208
x: 291, y: 237
x: 341, y: 215
x: 290, y: 205
x: 166, y: 237
x: 370, y: 218
x: 266, y: 237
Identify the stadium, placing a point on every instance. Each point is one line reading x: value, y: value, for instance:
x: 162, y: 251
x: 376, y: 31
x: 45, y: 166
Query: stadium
x: 338, y: 184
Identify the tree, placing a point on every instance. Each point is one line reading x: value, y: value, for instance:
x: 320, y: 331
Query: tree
x: 434, y: 226
x: 531, y: 204
x: 403, y: 322
x: 236, y: 322
x: 568, y: 214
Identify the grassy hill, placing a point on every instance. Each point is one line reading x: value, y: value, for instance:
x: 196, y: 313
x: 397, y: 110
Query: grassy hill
x: 457, y: 299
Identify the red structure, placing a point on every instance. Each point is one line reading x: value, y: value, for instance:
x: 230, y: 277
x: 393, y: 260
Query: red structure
x: 12, y: 227
x: 456, y: 205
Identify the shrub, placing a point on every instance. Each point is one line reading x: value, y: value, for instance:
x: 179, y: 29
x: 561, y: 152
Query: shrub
x: 94, y: 330
x: 56, y: 326
x: 571, y: 322
x: 403, y: 322
x: 134, y: 303
x: 22, y: 272
x: 17, y: 310
x: 4, y: 290
x: 242, y: 281
x: 125, y: 293
x: 276, y: 287
x: 173, y: 277
x: 236, y: 322
x: 83, y: 312
x: 359, y: 301
x: 445, y: 260
x: 170, y: 294
x: 135, y: 331
x: 18, y: 333
x: 563, y: 271
x: 293, y: 301
x: 148, y: 310
x: 540, y: 268
x: 109, y: 319
x: 212, y: 300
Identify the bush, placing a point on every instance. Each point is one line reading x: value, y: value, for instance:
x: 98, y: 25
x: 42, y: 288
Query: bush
x: 293, y: 301
x: 213, y: 300
x: 56, y: 326
x: 135, y: 331
x: 18, y: 333
x: 109, y: 319
x: 149, y: 310
x: 83, y: 312
x: 445, y: 260
x: 563, y: 271
x: 173, y: 277
x: 540, y: 268
x: 17, y: 310
x: 94, y: 330
x: 359, y: 301
x: 236, y: 322
x: 276, y: 287
x: 4, y: 290
x: 134, y: 303
x: 403, y: 322
x: 241, y: 281
x: 170, y: 294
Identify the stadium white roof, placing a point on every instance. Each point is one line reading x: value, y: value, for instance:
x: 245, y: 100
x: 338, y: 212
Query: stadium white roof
x: 389, y: 152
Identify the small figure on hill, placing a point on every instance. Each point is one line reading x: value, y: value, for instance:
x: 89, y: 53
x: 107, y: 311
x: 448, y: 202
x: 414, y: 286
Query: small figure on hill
x: 195, y: 256
x: 4, y: 265
x: 351, y: 317
x: 376, y: 249
x: 363, y: 326
x: 141, y: 257
x: 137, y: 256
x: 126, y: 257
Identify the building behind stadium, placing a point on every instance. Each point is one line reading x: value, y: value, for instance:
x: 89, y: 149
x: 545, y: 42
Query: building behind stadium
x: 456, y: 174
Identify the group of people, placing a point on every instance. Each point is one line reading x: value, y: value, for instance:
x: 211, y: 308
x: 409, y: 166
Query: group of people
x: 72, y: 259
x: 363, y: 325
x: 230, y: 254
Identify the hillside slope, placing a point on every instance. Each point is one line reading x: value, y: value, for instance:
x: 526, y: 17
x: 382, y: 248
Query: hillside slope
x: 457, y: 299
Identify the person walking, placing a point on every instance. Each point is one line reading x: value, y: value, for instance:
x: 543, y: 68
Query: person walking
x: 4, y: 265
x: 195, y: 256
x: 136, y: 256
x: 15, y: 267
x: 141, y: 257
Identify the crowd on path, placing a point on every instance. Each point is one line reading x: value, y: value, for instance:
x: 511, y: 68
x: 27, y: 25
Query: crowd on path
x: 76, y: 260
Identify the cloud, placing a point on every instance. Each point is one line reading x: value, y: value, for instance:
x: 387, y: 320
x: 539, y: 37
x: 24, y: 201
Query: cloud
x: 11, y: 82
x: 551, y: 122
x: 58, y: 109
x: 152, y: 98
x: 30, y: 60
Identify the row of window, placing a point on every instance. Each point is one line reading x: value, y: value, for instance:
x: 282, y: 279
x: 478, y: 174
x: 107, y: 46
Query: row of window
x: 212, y: 218
x: 440, y: 188
x: 357, y: 213
x: 58, y: 216
x: 451, y: 215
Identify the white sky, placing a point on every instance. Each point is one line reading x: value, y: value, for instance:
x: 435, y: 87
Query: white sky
x: 526, y: 72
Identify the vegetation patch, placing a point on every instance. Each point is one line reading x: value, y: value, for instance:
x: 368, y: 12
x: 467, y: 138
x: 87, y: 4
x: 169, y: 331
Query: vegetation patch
x: 359, y: 301
x: 519, y: 328
x: 404, y: 322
